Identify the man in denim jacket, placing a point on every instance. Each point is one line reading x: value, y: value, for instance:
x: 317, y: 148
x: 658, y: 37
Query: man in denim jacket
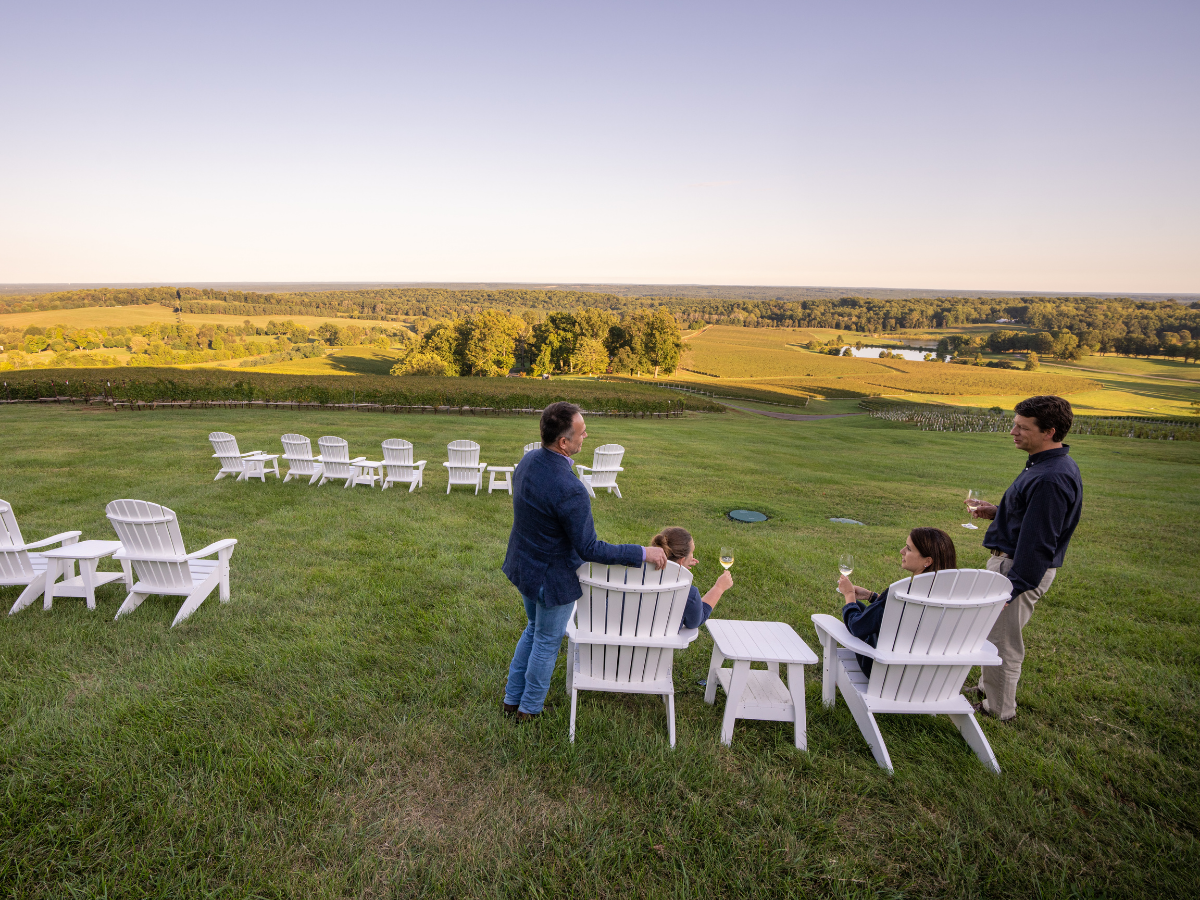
x: 552, y: 536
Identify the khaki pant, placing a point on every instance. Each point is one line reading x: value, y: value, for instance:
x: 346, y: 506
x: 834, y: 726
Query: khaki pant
x: 999, y: 683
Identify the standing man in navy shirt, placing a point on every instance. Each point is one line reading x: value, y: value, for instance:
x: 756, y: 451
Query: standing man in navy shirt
x: 1028, y: 537
x: 552, y: 536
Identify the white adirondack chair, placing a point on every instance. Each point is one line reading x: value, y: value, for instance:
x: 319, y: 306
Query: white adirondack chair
x: 602, y: 473
x: 152, y: 550
x: 297, y: 450
x: 398, y: 465
x: 464, y: 466
x: 626, y: 632
x: 337, y: 465
x: 934, y: 630
x: 531, y: 446
x: 252, y: 464
x: 19, y: 565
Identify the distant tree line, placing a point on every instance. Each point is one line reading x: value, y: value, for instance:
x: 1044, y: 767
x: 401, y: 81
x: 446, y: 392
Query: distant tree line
x: 584, y: 342
x: 1100, y: 325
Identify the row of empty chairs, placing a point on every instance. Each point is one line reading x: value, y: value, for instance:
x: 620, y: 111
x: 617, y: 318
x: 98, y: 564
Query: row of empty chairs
x: 397, y: 466
x: 149, y: 547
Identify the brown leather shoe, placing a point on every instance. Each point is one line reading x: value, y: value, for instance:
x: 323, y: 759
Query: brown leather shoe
x: 525, y: 717
x: 510, y: 709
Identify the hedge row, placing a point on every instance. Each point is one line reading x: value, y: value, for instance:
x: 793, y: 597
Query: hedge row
x: 151, y: 384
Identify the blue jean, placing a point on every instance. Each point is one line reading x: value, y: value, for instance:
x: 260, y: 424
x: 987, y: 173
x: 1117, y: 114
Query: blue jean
x: 533, y: 662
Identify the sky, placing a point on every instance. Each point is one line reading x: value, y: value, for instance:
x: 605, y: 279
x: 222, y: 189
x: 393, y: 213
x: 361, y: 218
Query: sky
x: 1047, y: 146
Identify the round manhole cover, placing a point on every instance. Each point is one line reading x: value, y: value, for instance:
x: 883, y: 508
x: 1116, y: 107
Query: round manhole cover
x: 848, y: 521
x: 747, y: 515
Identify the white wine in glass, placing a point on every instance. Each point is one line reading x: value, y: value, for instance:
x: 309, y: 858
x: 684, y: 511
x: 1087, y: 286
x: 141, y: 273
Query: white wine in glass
x: 845, y: 565
x: 727, y: 557
x: 973, y: 502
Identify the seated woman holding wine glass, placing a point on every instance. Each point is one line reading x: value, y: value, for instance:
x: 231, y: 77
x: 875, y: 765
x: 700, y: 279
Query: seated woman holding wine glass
x: 925, y: 550
x: 679, y: 547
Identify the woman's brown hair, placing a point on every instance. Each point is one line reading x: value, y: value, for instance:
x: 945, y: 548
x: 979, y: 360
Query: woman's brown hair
x: 674, y: 541
x: 937, y: 545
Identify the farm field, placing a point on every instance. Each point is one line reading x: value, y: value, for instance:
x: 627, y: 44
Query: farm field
x: 771, y: 358
x: 334, y: 730
x: 1122, y: 386
x: 148, y: 314
x: 340, y: 361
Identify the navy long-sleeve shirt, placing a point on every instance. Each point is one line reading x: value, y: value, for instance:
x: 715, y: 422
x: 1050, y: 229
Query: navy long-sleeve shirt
x: 552, y: 531
x: 1037, y: 516
x: 863, y: 621
x: 696, y: 612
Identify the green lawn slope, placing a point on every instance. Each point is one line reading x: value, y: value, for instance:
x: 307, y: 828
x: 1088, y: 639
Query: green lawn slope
x: 335, y: 730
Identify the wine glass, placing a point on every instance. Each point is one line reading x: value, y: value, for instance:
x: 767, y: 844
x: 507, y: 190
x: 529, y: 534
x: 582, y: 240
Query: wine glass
x: 845, y: 565
x: 973, y: 502
x: 727, y: 557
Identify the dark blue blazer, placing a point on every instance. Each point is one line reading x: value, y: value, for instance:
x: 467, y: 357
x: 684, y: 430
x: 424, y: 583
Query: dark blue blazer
x: 552, y: 533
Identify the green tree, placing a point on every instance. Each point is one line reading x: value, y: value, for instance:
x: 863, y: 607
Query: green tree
x: 590, y: 357
x: 1031, y: 361
x: 420, y: 363
x: 489, y: 342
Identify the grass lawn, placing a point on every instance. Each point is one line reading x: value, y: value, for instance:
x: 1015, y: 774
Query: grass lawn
x: 335, y: 729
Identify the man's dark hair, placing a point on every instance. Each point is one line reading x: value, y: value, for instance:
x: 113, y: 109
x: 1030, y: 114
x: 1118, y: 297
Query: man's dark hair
x: 556, y: 421
x: 1051, y: 413
x: 937, y: 545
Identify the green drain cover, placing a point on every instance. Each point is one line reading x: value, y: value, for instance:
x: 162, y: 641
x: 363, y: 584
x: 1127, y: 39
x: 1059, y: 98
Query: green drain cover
x: 747, y: 515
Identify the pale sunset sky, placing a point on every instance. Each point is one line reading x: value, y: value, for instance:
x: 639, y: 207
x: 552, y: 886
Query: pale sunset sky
x: 1048, y: 146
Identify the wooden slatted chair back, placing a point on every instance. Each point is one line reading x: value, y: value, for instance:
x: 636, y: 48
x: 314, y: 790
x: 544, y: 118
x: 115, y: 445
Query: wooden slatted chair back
x: 10, y: 531
x: 297, y: 453
x: 632, y: 601
x: 532, y: 446
x: 149, y: 536
x: 15, y: 566
x: 943, y: 614
x: 225, y: 449
x: 606, y: 465
x: 296, y: 446
x: 397, y: 452
x: 463, y: 453
x: 335, y: 457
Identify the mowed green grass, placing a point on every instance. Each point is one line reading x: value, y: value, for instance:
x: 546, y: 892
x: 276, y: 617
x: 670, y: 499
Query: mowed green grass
x: 335, y: 730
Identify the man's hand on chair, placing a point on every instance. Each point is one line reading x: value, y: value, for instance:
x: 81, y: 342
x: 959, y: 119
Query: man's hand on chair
x: 656, y: 557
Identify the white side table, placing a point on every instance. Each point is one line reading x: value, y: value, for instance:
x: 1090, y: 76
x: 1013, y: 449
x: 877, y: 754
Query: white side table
x: 505, y: 484
x: 61, y: 561
x: 758, y: 694
x: 256, y: 465
x: 369, y: 471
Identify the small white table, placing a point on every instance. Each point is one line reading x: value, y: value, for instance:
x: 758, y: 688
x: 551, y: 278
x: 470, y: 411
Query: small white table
x: 61, y: 561
x: 256, y: 465
x: 365, y: 466
x: 505, y: 484
x: 758, y: 694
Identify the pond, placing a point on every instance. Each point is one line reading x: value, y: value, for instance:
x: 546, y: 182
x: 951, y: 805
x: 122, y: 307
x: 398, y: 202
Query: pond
x: 873, y: 352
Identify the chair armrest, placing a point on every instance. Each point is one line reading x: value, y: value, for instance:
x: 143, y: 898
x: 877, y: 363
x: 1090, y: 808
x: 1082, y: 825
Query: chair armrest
x: 66, y: 538
x: 252, y: 453
x: 581, y: 468
x: 676, y: 642
x: 215, y: 547
x: 985, y: 656
x: 837, y: 629
x: 419, y: 464
x: 358, y: 459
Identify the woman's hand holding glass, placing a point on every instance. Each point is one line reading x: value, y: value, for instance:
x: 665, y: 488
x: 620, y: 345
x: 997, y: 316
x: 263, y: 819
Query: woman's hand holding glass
x: 850, y: 591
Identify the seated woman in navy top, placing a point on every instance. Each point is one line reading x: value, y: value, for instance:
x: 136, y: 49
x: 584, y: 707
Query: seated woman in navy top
x: 925, y: 550
x: 680, y: 548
